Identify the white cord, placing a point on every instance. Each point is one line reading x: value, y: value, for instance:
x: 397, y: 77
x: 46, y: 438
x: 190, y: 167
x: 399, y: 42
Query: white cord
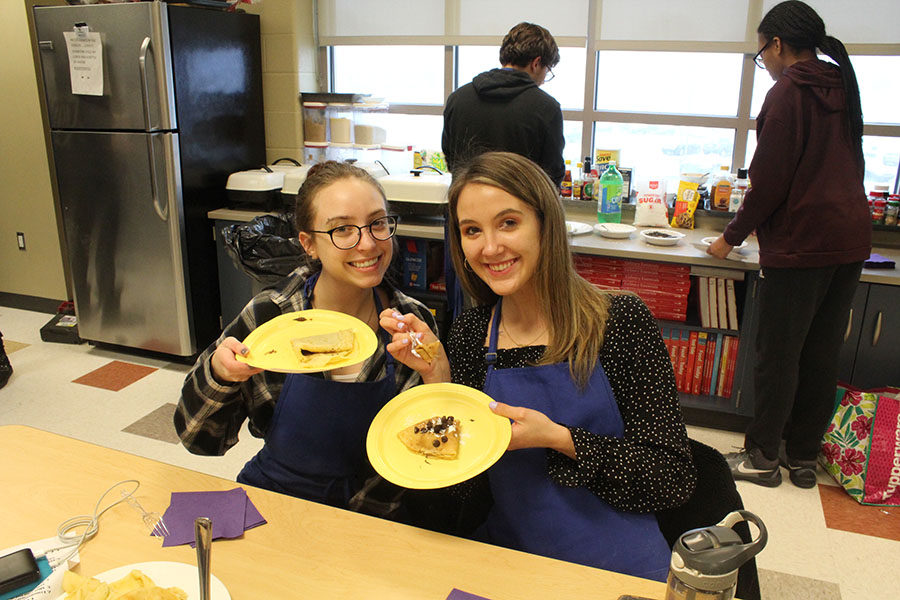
x: 90, y: 523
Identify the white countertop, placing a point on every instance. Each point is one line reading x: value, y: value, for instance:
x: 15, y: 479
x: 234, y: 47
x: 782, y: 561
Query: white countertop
x: 635, y: 248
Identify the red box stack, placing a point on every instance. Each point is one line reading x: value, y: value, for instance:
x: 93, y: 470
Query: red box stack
x: 663, y: 287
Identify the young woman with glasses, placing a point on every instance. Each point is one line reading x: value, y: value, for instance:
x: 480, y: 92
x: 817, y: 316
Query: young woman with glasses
x: 314, y: 425
x: 808, y: 206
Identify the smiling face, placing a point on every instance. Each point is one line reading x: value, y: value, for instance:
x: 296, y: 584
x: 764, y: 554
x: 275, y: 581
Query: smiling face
x: 348, y: 201
x: 500, y: 237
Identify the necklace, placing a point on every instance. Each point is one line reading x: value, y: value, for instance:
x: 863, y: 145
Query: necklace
x: 367, y: 320
x: 505, y: 331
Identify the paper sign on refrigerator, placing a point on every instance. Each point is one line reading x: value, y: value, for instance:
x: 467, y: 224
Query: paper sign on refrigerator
x: 85, y: 61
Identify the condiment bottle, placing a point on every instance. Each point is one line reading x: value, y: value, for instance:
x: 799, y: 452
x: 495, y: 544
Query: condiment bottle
x: 720, y: 189
x: 577, y: 182
x: 741, y: 185
x: 566, y: 187
x: 892, y: 210
x: 878, y: 207
x: 590, y: 176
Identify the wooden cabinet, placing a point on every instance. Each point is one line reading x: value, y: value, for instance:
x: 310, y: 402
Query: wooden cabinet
x: 847, y: 357
x: 869, y: 357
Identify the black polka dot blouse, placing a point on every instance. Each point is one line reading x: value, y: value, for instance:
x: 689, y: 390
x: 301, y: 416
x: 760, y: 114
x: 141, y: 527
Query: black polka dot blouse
x: 650, y: 468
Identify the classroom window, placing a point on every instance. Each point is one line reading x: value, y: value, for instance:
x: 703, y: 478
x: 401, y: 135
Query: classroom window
x: 696, y: 83
x: 399, y: 74
x: 665, y: 151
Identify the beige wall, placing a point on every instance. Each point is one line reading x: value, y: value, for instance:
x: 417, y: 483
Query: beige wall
x: 26, y: 199
x: 289, y: 67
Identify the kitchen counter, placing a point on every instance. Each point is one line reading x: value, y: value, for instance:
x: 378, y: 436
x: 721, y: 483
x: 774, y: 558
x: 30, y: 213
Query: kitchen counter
x: 634, y: 248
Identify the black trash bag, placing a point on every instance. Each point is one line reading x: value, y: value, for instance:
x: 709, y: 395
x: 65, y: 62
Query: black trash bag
x: 266, y: 248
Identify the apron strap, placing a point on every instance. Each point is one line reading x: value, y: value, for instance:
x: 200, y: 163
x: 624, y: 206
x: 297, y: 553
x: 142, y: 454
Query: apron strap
x: 491, y: 357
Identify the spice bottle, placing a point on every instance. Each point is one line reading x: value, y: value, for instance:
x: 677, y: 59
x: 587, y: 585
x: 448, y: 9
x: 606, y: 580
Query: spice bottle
x: 878, y: 207
x: 892, y: 210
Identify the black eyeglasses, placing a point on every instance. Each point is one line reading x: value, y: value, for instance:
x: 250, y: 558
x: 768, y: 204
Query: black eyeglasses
x: 758, y: 58
x: 550, y: 75
x: 345, y: 237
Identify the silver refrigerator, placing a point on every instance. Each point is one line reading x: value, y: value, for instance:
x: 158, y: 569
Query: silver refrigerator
x: 139, y: 165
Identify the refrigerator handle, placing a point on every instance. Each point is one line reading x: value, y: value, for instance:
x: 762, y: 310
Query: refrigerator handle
x: 162, y: 211
x: 145, y: 93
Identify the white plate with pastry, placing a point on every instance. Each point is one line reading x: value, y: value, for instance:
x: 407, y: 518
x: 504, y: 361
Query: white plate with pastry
x: 162, y: 574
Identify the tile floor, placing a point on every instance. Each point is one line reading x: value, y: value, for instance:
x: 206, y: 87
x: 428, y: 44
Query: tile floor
x: 822, y: 544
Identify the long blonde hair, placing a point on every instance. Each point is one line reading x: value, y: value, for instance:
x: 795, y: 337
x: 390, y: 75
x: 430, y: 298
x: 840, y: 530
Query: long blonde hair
x: 575, y: 311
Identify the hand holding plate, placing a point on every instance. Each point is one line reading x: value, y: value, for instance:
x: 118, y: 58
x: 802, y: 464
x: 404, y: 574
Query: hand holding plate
x: 224, y: 365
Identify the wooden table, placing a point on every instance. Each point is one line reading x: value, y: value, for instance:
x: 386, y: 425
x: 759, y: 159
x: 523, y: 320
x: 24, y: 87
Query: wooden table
x: 306, y: 550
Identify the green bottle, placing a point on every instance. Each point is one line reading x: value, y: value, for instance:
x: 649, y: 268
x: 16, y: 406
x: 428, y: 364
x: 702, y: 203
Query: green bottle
x: 609, y: 195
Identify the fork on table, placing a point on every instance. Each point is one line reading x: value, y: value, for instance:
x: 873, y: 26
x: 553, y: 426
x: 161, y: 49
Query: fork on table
x: 153, y: 520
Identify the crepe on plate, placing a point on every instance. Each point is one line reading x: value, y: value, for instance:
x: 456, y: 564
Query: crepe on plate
x: 321, y: 350
x: 134, y: 586
x: 437, y: 437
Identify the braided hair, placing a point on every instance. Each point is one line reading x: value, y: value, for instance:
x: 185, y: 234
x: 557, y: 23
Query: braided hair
x: 800, y: 27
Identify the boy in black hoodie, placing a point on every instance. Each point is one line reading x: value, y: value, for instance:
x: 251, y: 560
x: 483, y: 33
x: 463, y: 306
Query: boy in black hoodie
x: 505, y: 109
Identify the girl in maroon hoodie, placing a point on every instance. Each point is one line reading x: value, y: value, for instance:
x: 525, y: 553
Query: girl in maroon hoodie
x: 809, y: 209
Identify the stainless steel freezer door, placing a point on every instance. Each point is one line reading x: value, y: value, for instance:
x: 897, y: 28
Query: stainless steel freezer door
x: 125, y: 247
x: 137, y: 67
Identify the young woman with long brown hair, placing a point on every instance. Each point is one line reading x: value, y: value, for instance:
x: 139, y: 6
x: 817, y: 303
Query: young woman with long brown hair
x: 598, y: 441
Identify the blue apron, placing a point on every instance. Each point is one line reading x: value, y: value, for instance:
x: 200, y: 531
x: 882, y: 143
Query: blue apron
x: 534, y: 514
x: 315, y: 445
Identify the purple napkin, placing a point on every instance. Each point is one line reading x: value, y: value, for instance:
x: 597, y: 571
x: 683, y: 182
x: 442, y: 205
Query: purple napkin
x: 231, y: 514
x: 877, y: 261
x: 461, y: 595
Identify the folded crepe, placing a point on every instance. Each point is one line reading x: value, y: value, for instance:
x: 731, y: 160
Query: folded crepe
x: 427, y: 352
x: 320, y: 350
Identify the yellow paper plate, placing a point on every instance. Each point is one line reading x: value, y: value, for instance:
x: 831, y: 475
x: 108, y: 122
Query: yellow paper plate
x: 483, y: 438
x: 270, y: 343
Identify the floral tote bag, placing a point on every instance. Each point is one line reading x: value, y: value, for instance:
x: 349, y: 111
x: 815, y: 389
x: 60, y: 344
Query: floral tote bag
x: 861, y: 448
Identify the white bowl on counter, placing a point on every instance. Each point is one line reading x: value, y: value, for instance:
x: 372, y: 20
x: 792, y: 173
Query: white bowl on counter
x: 698, y: 178
x: 707, y: 241
x: 661, y: 237
x: 614, y: 230
x: 576, y: 228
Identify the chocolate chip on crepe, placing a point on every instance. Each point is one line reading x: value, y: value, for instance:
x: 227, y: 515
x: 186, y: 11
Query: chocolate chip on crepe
x: 437, y: 437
